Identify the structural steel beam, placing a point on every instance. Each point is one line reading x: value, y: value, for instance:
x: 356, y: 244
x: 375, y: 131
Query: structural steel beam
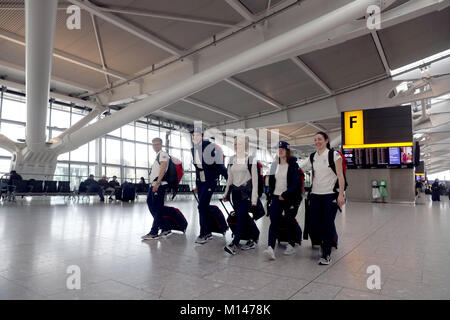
x: 40, y: 22
x: 254, y: 93
x: 125, y: 25
x: 312, y: 75
x: 66, y: 56
x: 218, y: 72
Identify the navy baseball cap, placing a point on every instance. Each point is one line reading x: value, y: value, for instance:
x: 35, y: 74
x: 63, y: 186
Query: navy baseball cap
x: 284, y: 145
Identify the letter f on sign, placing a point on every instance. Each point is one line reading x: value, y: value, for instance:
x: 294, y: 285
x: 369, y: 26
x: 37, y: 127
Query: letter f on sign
x: 352, y: 121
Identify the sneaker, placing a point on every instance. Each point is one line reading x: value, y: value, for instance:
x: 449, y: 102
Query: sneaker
x: 269, y: 253
x: 209, y: 236
x: 231, y: 249
x: 166, y: 234
x: 325, y: 261
x: 201, y: 240
x: 151, y: 236
x: 249, y: 245
x: 290, y: 250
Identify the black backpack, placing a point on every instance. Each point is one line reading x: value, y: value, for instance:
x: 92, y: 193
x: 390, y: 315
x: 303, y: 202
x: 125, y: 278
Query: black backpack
x: 260, y: 175
x: 332, y: 166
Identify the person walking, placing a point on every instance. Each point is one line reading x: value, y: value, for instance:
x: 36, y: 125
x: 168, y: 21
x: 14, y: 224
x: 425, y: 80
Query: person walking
x: 157, y: 192
x: 284, y: 196
x: 242, y: 185
x: 208, y: 161
x: 327, y: 194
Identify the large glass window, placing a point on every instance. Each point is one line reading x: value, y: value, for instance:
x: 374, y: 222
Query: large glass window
x: 78, y: 173
x: 174, y: 139
x: 142, y: 173
x: 112, y: 155
x: 130, y: 174
x: 5, y: 153
x: 128, y: 154
x: 13, y: 131
x: 62, y: 172
x: 128, y: 132
x: 80, y: 154
x: 141, y: 134
x: 141, y: 155
x: 4, y: 166
x: 14, y: 109
x: 113, y: 171
x: 60, y: 119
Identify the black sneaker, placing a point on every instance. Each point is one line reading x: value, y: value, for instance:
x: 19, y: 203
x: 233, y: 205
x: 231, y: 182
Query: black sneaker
x: 166, y: 234
x: 208, y: 236
x: 231, y: 249
x: 249, y: 245
x: 151, y: 236
x: 201, y: 240
x: 324, y: 261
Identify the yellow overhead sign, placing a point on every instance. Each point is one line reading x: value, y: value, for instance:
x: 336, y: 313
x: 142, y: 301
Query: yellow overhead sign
x: 354, y: 127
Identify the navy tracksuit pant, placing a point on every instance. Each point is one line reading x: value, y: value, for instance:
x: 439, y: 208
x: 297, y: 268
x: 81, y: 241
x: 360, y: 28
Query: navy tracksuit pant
x: 205, y: 191
x: 155, y: 203
x: 323, y: 209
x: 245, y: 223
x: 276, y: 211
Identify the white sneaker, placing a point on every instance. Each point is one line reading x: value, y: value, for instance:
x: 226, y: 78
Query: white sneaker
x: 290, y: 250
x: 269, y: 253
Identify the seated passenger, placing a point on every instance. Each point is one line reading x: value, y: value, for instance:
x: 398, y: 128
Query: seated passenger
x: 107, y: 189
x: 94, y: 187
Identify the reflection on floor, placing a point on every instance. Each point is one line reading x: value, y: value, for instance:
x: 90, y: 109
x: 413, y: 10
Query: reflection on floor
x: 40, y: 239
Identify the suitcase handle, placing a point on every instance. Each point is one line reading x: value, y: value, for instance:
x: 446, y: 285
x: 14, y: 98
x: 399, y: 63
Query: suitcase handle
x: 223, y: 204
x: 195, y: 196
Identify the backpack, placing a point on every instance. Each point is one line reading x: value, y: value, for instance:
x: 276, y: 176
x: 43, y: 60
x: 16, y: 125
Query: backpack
x: 332, y: 166
x: 174, y: 172
x: 259, y: 169
x: 302, y: 180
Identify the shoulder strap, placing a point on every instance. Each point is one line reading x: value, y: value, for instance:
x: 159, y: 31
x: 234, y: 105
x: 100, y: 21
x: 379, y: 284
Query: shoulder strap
x: 331, y: 163
x: 311, y: 159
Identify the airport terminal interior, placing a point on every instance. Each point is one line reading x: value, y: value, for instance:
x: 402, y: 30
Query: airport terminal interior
x: 92, y: 90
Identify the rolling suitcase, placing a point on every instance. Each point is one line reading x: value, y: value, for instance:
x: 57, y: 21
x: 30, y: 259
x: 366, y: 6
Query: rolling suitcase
x: 175, y: 219
x: 118, y: 193
x: 216, y: 221
x: 129, y: 193
x: 232, y: 223
x: 286, y: 226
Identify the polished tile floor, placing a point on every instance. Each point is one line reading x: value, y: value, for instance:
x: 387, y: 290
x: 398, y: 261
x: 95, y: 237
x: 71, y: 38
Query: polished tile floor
x: 40, y: 239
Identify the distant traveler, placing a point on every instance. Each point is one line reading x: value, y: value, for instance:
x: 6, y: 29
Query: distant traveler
x: 114, y: 183
x: 284, y: 196
x: 327, y: 194
x: 14, y: 177
x: 107, y: 189
x: 242, y: 185
x: 436, y: 191
x: 142, y: 181
x: 208, y: 167
x: 94, y: 187
x: 157, y: 192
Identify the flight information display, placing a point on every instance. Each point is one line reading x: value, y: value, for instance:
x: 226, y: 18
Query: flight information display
x: 386, y: 157
x: 378, y: 138
x: 394, y: 155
